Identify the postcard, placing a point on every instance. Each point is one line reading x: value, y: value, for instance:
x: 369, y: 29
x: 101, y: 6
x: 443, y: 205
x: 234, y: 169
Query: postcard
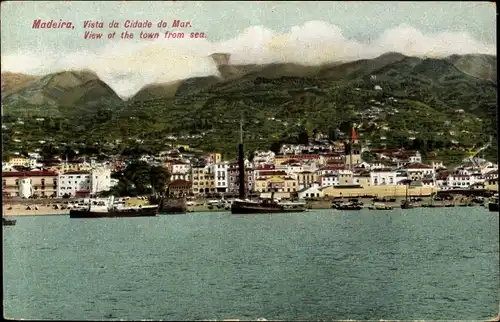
x: 249, y: 160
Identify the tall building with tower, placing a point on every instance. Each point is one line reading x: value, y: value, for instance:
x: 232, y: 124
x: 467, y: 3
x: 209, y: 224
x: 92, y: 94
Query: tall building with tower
x: 352, y: 150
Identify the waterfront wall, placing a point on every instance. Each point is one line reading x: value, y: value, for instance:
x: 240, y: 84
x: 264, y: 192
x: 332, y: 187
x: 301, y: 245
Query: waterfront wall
x: 379, y: 191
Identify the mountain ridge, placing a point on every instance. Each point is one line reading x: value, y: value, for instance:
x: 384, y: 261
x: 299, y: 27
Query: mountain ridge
x: 28, y: 88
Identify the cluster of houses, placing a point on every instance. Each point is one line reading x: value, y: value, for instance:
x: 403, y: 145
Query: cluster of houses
x: 334, y: 173
x: 290, y: 174
x: 26, y: 177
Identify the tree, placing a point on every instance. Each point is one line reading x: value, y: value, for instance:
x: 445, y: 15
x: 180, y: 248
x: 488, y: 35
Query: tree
x: 140, y: 178
x: 160, y: 178
x: 303, y: 137
x: 276, y: 147
x: 68, y: 153
x: 49, y: 152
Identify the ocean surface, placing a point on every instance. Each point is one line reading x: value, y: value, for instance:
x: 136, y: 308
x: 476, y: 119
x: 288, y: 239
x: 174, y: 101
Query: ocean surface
x: 323, y: 264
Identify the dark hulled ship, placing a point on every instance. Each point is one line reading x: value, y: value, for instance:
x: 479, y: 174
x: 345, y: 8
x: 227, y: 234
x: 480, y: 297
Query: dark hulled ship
x: 8, y: 222
x: 101, y: 209
x: 265, y: 206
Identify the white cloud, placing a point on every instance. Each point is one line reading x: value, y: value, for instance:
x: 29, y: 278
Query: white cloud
x: 127, y: 65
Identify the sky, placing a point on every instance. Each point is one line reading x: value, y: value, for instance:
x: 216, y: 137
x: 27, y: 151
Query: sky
x: 306, y: 32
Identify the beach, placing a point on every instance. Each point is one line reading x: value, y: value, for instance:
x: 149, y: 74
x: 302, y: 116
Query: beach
x: 21, y: 210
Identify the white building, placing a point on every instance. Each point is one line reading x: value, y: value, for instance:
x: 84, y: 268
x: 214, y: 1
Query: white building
x: 462, y: 181
x: 415, y: 158
x: 438, y: 165
x: 329, y: 180
x: 291, y: 168
x: 442, y: 183
x: 7, y: 167
x: 25, y: 189
x: 72, y: 182
x: 221, y: 175
x: 263, y: 157
x: 313, y: 191
x: 180, y: 171
x: 383, y: 177
x: 419, y: 171
x: 329, y: 170
x: 101, y: 180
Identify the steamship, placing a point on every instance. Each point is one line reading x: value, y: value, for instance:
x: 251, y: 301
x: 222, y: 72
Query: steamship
x: 264, y: 206
x: 8, y: 222
x: 99, y: 209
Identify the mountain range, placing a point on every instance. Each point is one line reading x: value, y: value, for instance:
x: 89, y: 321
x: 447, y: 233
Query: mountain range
x: 303, y: 98
x: 84, y: 88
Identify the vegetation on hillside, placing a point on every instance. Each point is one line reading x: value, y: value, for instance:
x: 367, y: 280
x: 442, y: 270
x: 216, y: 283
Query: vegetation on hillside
x: 429, y: 105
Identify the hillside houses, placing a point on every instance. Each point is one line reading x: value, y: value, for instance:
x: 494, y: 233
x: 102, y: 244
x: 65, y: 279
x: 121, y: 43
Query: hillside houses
x: 290, y: 175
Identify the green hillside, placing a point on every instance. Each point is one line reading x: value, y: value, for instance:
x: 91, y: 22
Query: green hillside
x: 424, y: 103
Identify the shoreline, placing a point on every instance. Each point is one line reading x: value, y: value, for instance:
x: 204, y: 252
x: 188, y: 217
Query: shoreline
x: 46, y: 207
x: 43, y: 214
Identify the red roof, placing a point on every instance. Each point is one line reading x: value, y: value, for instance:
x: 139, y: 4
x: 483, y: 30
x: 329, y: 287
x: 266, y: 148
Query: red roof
x: 382, y: 170
x: 442, y: 176
x: 272, y: 173
x: 75, y: 172
x: 335, y: 161
x: 459, y: 176
x: 419, y: 166
x: 266, y: 167
x: 384, y: 150
x: 298, y: 156
x: 405, y: 153
x: 333, y: 155
x: 291, y: 161
x: 180, y: 184
x: 29, y: 174
x: 332, y: 168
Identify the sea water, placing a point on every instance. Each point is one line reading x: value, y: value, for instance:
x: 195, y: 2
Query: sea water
x: 322, y: 264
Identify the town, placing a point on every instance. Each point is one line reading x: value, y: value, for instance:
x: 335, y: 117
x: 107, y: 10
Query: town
x: 296, y: 172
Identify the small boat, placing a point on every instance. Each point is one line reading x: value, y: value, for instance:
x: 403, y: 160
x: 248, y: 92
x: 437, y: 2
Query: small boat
x: 347, y: 206
x: 379, y: 206
x: 8, y: 222
x: 407, y: 205
x: 432, y: 205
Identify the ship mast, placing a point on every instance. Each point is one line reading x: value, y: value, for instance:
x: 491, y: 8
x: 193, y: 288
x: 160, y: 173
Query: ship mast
x: 241, y: 162
x: 351, y: 142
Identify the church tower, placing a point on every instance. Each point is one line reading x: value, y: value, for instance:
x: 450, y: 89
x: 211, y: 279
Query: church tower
x: 352, y: 150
